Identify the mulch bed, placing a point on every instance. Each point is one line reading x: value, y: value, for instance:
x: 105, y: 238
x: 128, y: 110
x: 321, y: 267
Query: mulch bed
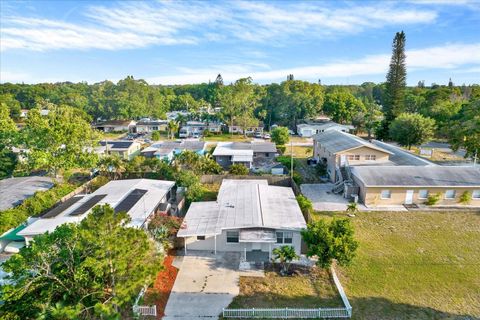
x: 162, y: 286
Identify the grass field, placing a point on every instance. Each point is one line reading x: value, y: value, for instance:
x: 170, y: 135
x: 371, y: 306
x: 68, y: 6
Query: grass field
x: 414, y: 265
x: 227, y: 137
x: 308, y: 290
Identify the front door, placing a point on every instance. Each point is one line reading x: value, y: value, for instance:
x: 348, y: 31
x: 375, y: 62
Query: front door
x: 409, y: 197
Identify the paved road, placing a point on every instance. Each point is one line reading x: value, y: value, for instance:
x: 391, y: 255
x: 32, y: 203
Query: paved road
x: 204, y: 286
x: 402, y: 157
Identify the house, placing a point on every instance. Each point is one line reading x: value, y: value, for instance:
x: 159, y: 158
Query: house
x: 13, y: 191
x: 196, y: 128
x: 249, y: 216
x: 338, y: 149
x: 250, y: 130
x: 140, y: 198
x: 398, y: 185
x: 148, y: 126
x: 173, y: 115
x: 246, y: 153
x: 116, y: 126
x: 125, y: 149
x: 24, y: 112
x: 166, y: 150
x: 311, y: 128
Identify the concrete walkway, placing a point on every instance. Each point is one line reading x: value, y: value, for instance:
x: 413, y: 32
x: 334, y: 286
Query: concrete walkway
x: 205, y: 285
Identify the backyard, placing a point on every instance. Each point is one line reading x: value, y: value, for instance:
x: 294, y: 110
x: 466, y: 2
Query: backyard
x: 414, y: 265
x: 301, y: 154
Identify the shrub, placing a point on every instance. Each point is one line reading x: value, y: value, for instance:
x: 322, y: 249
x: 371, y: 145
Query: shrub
x: 305, y: 204
x: 155, y: 135
x: 297, y: 178
x: 98, y: 182
x: 321, y: 169
x: 465, y: 198
x: 432, y: 199
x: 280, y: 135
x: 238, y: 169
x: 285, y: 160
x: 281, y: 149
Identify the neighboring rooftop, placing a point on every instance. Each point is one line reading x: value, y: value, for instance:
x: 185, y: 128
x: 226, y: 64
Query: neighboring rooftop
x: 151, y: 122
x: 416, y: 176
x: 244, y: 204
x: 14, y: 190
x: 243, y: 148
x: 402, y: 157
x: 117, y: 144
x: 139, y: 196
x: 338, y: 141
x: 324, y: 125
x: 115, y: 123
x: 165, y: 147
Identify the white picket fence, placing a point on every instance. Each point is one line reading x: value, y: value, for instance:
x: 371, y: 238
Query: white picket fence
x: 144, y: 310
x: 287, y: 313
x: 295, y: 313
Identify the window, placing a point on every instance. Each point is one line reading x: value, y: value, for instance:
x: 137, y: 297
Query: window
x: 370, y: 157
x: 422, y: 194
x: 232, y: 236
x: 476, y: 194
x: 200, y: 237
x: 284, y: 237
x: 353, y: 157
x: 450, y: 194
x: 386, y: 194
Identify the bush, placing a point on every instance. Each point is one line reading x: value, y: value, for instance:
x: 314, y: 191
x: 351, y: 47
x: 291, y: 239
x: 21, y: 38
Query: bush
x: 432, y: 199
x: 155, y: 135
x: 280, y: 135
x: 321, y: 169
x: 35, y: 205
x: 281, y: 149
x: 465, y: 198
x: 305, y: 204
x: 285, y: 160
x: 238, y: 169
x: 297, y: 178
x: 98, y: 182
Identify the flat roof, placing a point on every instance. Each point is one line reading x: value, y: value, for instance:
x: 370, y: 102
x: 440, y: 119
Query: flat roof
x: 165, y: 147
x: 338, y: 141
x: 243, y: 148
x: 113, y: 194
x: 416, y: 176
x: 244, y: 204
x: 323, y: 125
x: 14, y: 190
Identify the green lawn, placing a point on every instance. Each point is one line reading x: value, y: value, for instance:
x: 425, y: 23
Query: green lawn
x: 227, y: 137
x: 414, y: 265
x: 305, y: 290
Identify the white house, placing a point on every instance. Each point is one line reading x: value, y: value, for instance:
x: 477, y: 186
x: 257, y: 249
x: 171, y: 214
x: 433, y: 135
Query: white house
x: 125, y: 149
x: 312, y: 128
x: 140, y: 198
x: 196, y: 128
x: 249, y: 216
x: 116, y: 126
x: 147, y: 126
x: 246, y: 153
x: 166, y: 150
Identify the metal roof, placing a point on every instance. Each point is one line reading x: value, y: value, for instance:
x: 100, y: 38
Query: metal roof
x: 232, y: 148
x: 338, y: 141
x: 114, y: 193
x: 324, y: 125
x: 165, y: 147
x: 244, y: 204
x: 416, y: 176
x: 14, y: 190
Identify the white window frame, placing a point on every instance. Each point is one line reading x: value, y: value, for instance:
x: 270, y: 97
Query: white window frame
x: 371, y: 157
x: 420, y: 193
x: 450, y: 198
x: 476, y: 194
x: 284, y: 237
x: 389, y: 194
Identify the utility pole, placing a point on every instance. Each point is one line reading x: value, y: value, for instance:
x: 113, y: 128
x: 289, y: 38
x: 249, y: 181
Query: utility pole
x: 291, y: 159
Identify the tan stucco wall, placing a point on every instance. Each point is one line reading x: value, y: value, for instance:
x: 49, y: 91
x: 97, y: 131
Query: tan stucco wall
x: 371, y: 196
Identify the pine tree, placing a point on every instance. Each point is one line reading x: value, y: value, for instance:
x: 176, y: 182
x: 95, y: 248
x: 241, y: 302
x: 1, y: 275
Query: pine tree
x: 396, y: 82
x: 450, y: 83
x: 219, y: 80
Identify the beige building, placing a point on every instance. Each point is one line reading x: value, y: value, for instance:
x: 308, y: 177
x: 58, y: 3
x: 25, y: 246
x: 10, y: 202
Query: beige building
x: 338, y: 149
x: 407, y: 185
x: 125, y: 149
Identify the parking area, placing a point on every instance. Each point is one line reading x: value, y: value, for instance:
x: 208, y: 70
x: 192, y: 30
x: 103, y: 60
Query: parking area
x: 205, y: 285
x: 322, y: 197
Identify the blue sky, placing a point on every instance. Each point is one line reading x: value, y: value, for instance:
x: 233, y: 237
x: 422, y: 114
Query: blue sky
x: 177, y: 42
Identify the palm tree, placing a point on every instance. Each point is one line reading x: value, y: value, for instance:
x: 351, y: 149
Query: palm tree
x: 172, y: 128
x: 285, y: 255
x: 352, y: 208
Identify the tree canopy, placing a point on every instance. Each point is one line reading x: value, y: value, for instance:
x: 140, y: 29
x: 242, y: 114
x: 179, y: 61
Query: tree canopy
x: 89, y: 270
x: 280, y: 136
x: 410, y: 129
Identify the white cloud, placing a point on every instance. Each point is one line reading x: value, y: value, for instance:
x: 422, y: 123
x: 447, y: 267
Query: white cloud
x: 128, y: 25
x: 450, y: 56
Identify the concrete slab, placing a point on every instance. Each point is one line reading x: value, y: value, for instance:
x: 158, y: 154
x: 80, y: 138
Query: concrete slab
x: 322, y: 197
x: 205, y: 285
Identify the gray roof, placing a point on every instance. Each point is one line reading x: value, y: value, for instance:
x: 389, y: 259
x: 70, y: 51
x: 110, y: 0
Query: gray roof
x: 338, y: 141
x: 244, y: 204
x: 323, y: 125
x: 152, y: 123
x: 117, y: 144
x: 413, y: 176
x: 402, y: 157
x: 166, y: 147
x: 14, y: 190
x: 255, y: 146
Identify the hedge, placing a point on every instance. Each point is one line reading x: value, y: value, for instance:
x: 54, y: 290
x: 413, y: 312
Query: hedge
x: 35, y: 205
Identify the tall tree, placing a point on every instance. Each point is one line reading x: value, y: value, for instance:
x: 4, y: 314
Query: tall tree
x: 342, y: 106
x: 59, y: 141
x: 410, y: 129
x: 8, y: 136
x: 396, y: 82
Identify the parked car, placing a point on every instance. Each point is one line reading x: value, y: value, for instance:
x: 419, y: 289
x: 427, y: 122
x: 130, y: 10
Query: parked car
x: 266, y: 136
x: 258, y: 135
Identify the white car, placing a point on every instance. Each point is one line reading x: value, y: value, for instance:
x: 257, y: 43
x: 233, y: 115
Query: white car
x: 14, y: 247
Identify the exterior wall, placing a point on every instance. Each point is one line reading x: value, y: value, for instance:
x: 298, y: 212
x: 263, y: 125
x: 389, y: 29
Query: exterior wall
x: 371, y: 196
x: 312, y: 130
x: 209, y: 244
x: 319, y: 152
x: 224, y: 161
x: 249, y: 130
x: 150, y: 128
x: 267, y: 155
x: 362, y: 152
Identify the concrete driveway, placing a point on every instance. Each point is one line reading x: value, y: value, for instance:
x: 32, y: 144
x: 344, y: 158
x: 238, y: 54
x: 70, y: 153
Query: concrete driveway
x: 205, y: 285
x: 322, y: 197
